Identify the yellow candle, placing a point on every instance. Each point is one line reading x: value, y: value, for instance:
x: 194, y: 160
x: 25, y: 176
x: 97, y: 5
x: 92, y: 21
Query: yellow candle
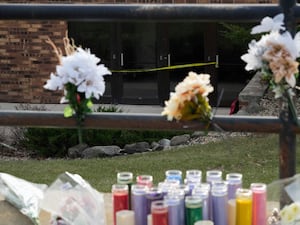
x: 125, y: 217
x: 243, y: 207
x: 231, y: 206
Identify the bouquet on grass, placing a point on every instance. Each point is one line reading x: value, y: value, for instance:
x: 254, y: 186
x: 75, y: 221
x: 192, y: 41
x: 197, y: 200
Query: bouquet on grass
x: 80, y: 75
x: 276, y: 56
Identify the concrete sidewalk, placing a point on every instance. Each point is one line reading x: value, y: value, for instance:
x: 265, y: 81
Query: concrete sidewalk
x: 152, y: 109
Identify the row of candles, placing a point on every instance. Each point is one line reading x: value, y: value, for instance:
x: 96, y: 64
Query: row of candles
x: 188, y: 202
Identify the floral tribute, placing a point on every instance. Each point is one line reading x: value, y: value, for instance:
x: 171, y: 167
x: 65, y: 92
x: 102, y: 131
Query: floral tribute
x: 80, y: 75
x: 275, y: 55
x: 190, y: 101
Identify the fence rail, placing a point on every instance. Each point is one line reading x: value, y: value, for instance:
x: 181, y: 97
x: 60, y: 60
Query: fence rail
x: 140, y: 12
x: 134, y: 121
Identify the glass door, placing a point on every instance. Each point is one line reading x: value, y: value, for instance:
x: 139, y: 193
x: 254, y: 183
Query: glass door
x: 138, y: 54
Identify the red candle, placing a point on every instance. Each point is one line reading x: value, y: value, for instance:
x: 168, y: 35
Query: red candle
x: 120, y: 198
x: 159, y: 212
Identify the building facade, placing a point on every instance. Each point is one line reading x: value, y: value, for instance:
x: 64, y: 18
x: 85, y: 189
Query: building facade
x: 26, y: 60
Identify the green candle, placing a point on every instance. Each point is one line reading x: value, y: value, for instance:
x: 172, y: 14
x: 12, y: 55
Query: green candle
x: 193, y: 209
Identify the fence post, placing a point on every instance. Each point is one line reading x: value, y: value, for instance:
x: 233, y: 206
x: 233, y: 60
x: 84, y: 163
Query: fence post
x: 287, y: 139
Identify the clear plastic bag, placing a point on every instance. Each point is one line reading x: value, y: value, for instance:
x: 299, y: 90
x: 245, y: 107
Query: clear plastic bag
x: 72, y: 201
x: 23, y: 195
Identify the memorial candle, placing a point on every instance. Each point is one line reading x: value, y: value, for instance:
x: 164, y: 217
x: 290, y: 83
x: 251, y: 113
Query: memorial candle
x: 193, y: 209
x: 174, y: 175
x: 212, y: 176
x: 126, y: 178
x: 219, y: 202
x: 234, y: 181
x: 202, y: 190
x: 139, y: 203
x: 120, y: 198
x: 193, y: 178
x: 159, y: 212
x: 153, y: 194
x: 125, y: 217
x: 259, y: 203
x: 243, y: 207
x: 146, y: 180
x: 174, y: 209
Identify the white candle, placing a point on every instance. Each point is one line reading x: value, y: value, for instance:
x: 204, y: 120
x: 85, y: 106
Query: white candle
x: 125, y: 217
x: 231, y: 212
x: 149, y: 219
x: 204, y: 222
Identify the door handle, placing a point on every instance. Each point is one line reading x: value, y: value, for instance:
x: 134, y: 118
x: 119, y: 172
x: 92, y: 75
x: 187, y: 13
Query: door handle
x: 122, y: 59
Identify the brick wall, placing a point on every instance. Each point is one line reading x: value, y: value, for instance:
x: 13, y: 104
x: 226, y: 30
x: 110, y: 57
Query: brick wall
x: 26, y: 61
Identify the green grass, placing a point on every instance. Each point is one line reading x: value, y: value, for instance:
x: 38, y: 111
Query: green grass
x: 256, y: 157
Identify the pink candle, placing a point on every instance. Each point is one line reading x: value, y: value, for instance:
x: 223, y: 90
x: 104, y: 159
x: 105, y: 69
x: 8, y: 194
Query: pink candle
x: 259, y: 204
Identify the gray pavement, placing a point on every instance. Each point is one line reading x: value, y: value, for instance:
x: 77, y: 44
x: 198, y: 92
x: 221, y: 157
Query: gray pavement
x: 152, y: 109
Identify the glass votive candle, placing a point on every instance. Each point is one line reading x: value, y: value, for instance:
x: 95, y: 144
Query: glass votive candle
x: 120, y: 198
x: 159, y: 212
x: 193, y: 209
x: 126, y: 178
x: 234, y: 182
x: 203, y: 193
x: 139, y: 203
x: 243, y: 207
x: 174, y: 208
x: 259, y: 203
x: 146, y: 180
x: 153, y: 194
x: 174, y: 175
x: 125, y: 217
x: 213, y: 175
x: 219, y: 202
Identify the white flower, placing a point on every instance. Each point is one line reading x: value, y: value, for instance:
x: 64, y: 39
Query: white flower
x: 80, y: 68
x: 268, y: 24
x: 290, y: 213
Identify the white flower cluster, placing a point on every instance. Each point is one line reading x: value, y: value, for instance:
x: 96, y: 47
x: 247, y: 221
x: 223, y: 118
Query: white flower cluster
x: 82, y: 69
x: 290, y: 214
x: 276, y: 51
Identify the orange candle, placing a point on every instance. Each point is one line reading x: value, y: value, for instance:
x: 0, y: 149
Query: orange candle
x: 243, y: 207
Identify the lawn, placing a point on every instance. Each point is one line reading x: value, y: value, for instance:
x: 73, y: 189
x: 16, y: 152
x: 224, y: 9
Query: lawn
x: 256, y: 157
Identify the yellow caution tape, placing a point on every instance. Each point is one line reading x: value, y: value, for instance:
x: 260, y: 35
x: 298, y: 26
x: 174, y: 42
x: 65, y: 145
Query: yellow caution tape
x: 165, y: 68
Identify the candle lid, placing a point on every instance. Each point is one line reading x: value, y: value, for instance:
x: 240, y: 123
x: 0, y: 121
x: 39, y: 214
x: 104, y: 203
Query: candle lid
x: 125, y: 177
x: 234, y: 178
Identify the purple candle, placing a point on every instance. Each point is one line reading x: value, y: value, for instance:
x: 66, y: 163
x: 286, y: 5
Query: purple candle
x: 212, y: 176
x: 179, y: 193
x: 173, y: 203
x: 219, y: 202
x: 203, y: 192
x: 139, y: 203
x: 234, y: 181
x: 153, y: 194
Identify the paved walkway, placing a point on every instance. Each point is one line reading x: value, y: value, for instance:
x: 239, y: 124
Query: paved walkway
x: 153, y: 109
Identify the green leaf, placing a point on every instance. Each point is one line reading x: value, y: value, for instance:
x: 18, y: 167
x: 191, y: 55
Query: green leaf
x: 89, y: 104
x: 68, y: 111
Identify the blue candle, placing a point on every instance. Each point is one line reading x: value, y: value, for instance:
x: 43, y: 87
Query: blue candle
x: 219, y: 202
x: 139, y: 203
x: 174, y: 175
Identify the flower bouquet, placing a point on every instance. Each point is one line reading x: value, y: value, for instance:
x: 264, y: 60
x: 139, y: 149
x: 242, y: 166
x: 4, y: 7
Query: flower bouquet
x: 80, y: 75
x: 190, y: 101
x: 286, y: 193
x: 275, y: 55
